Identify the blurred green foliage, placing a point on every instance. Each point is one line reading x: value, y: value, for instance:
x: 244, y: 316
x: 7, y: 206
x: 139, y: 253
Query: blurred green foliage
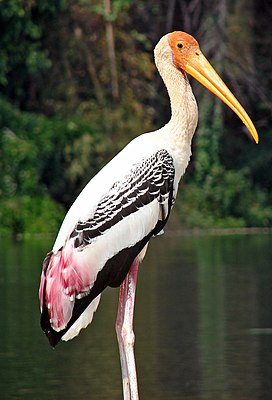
x: 60, y: 121
x: 28, y: 215
x: 45, y: 161
x: 224, y: 199
x: 21, y: 53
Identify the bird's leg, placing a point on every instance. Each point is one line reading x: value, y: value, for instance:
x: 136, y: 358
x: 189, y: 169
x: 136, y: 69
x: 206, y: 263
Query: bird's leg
x: 125, y: 334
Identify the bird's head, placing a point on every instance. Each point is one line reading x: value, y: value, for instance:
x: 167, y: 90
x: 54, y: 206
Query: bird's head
x: 187, y: 56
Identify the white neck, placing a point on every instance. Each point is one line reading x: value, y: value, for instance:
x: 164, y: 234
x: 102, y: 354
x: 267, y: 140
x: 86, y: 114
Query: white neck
x: 184, y: 117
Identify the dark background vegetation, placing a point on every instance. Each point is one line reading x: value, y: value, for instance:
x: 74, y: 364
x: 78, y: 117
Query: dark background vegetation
x: 78, y: 81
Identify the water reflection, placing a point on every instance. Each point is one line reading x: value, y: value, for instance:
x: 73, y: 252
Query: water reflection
x: 203, y: 325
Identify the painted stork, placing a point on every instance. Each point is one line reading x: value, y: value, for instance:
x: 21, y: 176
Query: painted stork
x: 105, y: 234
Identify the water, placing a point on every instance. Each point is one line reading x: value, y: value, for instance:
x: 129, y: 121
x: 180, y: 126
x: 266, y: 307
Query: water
x: 203, y: 325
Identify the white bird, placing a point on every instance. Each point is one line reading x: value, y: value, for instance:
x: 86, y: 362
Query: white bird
x: 105, y: 234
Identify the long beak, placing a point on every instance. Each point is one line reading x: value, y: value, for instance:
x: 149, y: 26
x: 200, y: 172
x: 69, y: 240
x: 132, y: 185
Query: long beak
x: 200, y: 68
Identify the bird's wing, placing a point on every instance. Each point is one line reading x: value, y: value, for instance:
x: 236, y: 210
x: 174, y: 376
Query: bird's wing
x: 100, y: 249
x: 151, y: 179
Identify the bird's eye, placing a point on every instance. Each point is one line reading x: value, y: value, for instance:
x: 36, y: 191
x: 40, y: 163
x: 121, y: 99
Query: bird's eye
x: 180, y: 45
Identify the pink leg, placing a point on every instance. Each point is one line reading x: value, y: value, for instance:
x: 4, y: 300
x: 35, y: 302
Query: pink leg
x: 125, y: 334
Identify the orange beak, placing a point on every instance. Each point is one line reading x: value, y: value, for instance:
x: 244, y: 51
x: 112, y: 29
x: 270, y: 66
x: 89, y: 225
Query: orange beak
x: 199, y: 67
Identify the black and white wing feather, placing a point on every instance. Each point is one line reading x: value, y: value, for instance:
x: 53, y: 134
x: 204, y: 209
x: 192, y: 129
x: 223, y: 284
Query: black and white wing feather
x: 149, y: 181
